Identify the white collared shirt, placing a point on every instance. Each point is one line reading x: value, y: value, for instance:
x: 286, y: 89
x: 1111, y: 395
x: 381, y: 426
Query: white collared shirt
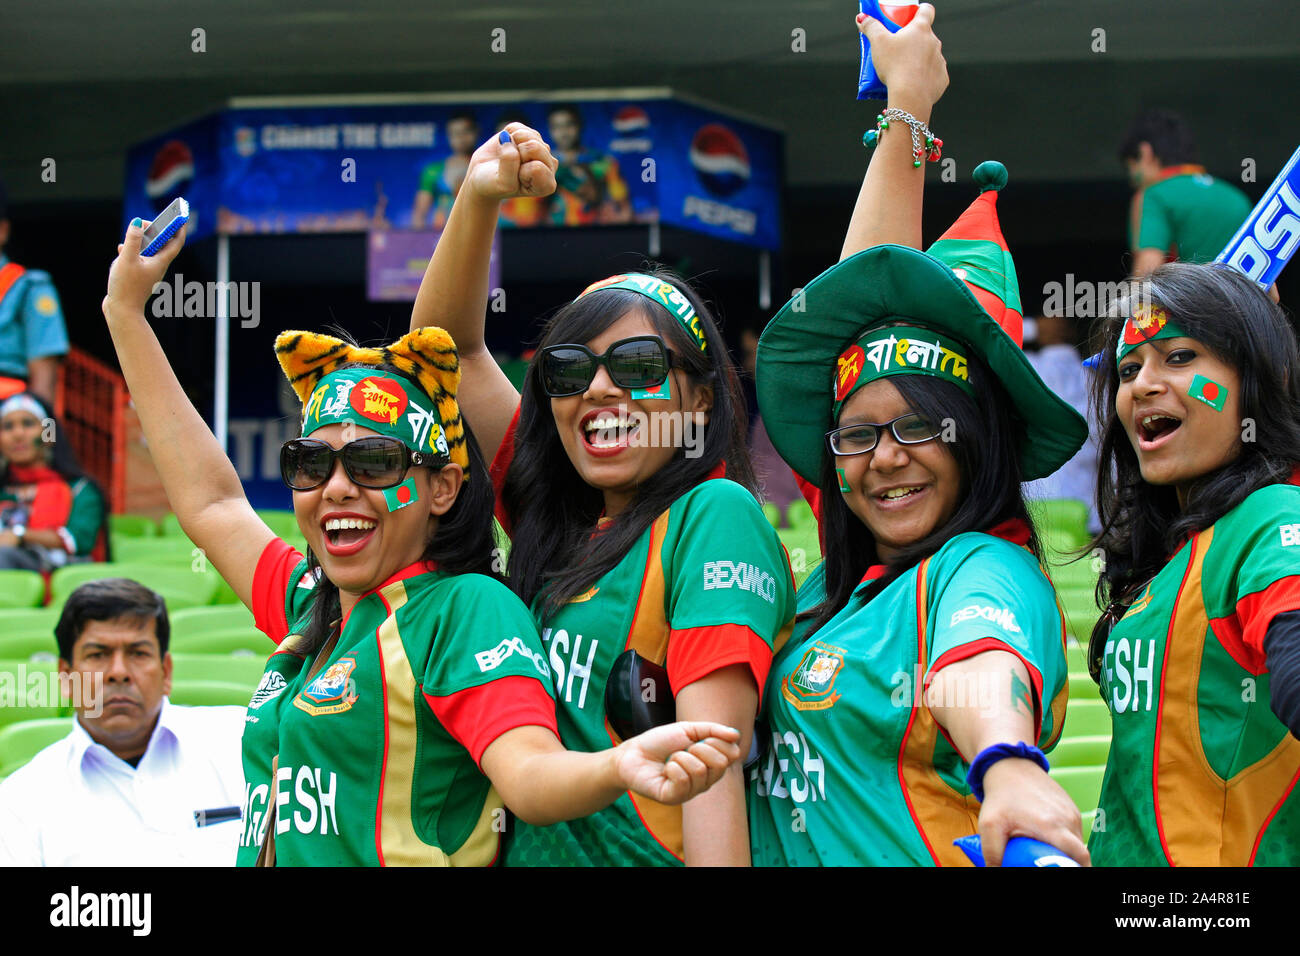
x: 76, y: 804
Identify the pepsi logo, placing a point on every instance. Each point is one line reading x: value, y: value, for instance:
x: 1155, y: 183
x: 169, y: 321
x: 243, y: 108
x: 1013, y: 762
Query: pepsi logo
x: 630, y: 119
x: 171, y: 170
x: 720, y: 159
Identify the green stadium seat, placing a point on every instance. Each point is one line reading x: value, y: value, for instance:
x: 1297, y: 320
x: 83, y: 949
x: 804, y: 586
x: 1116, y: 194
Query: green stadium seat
x: 28, y: 617
x: 283, y: 523
x: 29, y: 690
x: 242, y: 670
x: 170, y: 526
x: 1075, y: 658
x: 1082, y: 688
x: 800, y: 515
x: 1065, y: 517
x: 209, y: 693
x: 1075, y: 576
x: 1081, y: 752
x: 1086, y: 718
x: 21, y: 589
x: 206, y: 620
x: 180, y: 585
x: 1083, y: 784
x: 773, y: 514
x: 35, y: 645
x: 167, y: 552
x: 131, y: 526
x: 22, y: 741
x: 224, y: 642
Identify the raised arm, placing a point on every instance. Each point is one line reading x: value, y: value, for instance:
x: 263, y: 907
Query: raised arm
x: 542, y: 783
x: 911, y: 64
x: 454, y: 292
x: 201, y: 484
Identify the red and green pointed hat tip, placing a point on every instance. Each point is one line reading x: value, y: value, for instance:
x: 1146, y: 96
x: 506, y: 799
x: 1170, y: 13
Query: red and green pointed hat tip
x: 990, y: 174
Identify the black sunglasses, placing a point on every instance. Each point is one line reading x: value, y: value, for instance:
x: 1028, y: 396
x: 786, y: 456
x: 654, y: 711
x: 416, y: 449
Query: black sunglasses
x: 377, y: 462
x: 642, y: 361
x: 909, y: 429
x: 633, y: 679
x: 638, y: 696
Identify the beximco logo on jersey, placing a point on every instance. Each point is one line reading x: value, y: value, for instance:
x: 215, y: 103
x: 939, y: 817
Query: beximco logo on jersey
x: 721, y: 163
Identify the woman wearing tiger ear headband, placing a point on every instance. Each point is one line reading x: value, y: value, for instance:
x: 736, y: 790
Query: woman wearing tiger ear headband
x: 659, y: 586
x: 409, y: 688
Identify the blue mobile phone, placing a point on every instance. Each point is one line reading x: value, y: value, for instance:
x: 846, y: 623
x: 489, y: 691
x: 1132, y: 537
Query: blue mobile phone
x: 164, y: 227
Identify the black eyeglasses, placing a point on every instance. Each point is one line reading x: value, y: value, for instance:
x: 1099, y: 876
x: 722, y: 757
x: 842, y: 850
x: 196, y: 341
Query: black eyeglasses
x: 639, y: 362
x: 378, y: 462
x: 909, y: 429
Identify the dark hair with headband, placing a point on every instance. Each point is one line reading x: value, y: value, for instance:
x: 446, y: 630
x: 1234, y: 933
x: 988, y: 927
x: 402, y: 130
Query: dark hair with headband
x: 62, y: 458
x: 553, y: 510
x: 985, y: 449
x: 1142, y: 524
x: 462, y: 544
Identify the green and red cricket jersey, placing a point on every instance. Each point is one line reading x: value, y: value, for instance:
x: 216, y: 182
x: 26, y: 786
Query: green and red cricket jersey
x: 706, y: 586
x: 379, y: 753
x: 1201, y: 772
x: 858, y: 772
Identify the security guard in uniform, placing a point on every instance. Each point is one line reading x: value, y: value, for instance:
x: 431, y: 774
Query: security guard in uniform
x: 32, y: 334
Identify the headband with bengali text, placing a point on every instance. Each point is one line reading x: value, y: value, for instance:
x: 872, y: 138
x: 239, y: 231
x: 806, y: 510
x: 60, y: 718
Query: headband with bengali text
x: 1148, y: 323
x: 656, y: 290
x: 900, y: 350
x: 381, y: 402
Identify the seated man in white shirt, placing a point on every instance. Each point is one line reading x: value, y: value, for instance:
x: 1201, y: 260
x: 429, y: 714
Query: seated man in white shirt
x: 126, y: 787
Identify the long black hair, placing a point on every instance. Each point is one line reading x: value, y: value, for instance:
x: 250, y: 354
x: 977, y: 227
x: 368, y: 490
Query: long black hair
x: 463, y: 542
x: 1142, y: 524
x: 553, y: 510
x: 985, y: 446
x: 62, y: 458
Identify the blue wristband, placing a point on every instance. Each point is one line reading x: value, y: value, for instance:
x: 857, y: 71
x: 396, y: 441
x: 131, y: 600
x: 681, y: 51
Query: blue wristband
x: 991, y: 755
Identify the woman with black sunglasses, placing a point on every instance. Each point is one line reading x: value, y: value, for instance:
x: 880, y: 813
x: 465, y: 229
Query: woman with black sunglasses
x: 409, y: 687
x: 926, y: 675
x: 1197, y: 491
x: 658, y: 584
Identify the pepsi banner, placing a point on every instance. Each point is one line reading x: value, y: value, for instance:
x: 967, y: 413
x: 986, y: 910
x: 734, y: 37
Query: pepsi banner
x: 314, y: 169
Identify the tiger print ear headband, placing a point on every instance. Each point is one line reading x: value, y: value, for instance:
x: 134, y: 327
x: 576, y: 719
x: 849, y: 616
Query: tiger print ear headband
x: 375, y: 399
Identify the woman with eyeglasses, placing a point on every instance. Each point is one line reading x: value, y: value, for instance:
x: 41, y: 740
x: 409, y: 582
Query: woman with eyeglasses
x: 409, y: 696
x: 926, y: 674
x: 1198, y: 493
x: 659, y: 587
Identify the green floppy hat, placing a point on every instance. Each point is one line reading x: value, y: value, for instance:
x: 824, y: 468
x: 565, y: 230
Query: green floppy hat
x: 964, y: 289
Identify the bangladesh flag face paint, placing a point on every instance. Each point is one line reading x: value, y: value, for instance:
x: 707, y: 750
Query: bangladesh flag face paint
x: 1208, y: 391
x: 400, y: 496
x: 844, y: 482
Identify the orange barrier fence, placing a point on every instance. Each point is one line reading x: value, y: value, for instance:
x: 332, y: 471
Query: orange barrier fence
x: 91, y: 405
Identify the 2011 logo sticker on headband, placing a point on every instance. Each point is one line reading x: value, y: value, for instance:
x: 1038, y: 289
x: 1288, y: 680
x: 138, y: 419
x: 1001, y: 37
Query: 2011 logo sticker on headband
x: 847, y: 370
x: 1145, y: 325
x: 378, y: 399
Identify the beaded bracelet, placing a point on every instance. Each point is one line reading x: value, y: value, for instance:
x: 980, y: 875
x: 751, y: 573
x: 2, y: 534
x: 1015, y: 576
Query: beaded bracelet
x: 932, y: 149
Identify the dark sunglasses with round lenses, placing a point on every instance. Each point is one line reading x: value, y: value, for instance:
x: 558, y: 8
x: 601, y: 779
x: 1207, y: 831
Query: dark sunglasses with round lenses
x: 909, y: 429
x: 639, y: 362
x: 376, y: 462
